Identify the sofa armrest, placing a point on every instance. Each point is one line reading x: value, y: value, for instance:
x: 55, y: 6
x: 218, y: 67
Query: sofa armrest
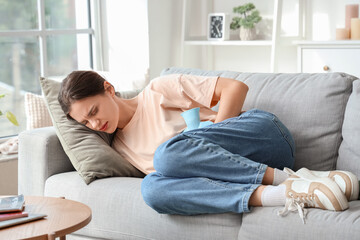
x: 40, y: 156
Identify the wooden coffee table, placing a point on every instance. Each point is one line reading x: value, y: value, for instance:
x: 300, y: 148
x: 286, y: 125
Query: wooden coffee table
x: 63, y: 217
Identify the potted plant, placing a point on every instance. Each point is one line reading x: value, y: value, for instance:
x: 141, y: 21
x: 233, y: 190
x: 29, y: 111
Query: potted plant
x: 11, y: 117
x: 246, y: 22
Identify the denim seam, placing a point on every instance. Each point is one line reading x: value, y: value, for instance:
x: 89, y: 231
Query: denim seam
x: 257, y: 175
x: 214, y: 182
x: 260, y: 174
x: 285, y: 136
x: 260, y: 168
x: 245, y: 202
x: 247, y: 193
x: 217, y: 184
x: 246, y: 198
x: 190, y: 140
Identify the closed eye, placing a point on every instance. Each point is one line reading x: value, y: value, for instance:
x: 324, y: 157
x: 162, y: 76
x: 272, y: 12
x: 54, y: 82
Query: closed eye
x: 93, y: 113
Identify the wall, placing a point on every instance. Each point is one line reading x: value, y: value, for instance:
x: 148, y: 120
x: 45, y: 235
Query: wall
x: 322, y: 18
x: 164, y: 34
x: 325, y: 16
x: 165, y: 23
x: 127, y: 43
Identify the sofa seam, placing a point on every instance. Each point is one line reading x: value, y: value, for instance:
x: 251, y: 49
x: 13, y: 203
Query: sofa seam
x: 125, y: 234
x: 339, y: 139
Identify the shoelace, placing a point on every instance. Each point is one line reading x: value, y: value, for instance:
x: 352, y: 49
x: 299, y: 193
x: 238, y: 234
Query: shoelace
x: 294, y: 204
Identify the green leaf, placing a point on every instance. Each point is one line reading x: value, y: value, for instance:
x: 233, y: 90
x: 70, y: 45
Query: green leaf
x: 248, y: 7
x: 12, y: 118
x: 2, y: 95
x: 1, y: 113
x: 249, y: 16
x: 235, y: 24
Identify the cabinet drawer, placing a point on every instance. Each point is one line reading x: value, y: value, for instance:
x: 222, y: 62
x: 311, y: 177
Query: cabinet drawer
x: 331, y: 60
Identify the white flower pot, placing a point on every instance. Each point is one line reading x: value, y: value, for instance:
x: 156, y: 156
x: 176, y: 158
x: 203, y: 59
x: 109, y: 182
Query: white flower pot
x: 247, y: 34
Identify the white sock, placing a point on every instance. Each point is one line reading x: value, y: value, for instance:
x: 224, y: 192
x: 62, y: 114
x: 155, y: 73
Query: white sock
x: 273, y: 196
x: 279, y: 176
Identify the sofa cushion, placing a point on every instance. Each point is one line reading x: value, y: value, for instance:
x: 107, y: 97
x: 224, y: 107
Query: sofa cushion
x: 37, y: 114
x: 312, y: 106
x: 349, y: 152
x: 320, y: 224
x: 119, y: 212
x: 89, y: 151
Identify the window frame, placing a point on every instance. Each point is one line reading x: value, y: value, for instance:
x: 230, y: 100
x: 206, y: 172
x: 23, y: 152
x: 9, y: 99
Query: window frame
x: 97, y: 42
x: 42, y: 33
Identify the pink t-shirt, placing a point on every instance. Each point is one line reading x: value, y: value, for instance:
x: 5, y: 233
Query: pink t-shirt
x: 157, y: 117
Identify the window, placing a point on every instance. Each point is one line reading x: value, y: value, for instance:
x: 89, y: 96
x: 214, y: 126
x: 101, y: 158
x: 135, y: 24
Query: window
x: 39, y: 38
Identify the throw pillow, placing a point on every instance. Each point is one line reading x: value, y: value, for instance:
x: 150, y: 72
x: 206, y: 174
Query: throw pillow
x: 37, y: 114
x: 89, y: 151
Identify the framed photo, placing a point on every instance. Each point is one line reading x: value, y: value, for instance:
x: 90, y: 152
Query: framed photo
x: 218, y: 26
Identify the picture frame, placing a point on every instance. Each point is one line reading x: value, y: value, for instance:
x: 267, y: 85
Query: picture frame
x: 218, y: 28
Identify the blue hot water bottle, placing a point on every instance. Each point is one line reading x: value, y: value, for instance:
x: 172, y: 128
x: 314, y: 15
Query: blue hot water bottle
x: 192, y: 119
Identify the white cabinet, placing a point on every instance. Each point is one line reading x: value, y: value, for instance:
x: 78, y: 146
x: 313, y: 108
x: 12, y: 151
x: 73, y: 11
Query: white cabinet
x: 331, y: 56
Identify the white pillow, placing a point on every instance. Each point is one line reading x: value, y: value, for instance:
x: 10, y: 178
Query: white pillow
x: 37, y: 114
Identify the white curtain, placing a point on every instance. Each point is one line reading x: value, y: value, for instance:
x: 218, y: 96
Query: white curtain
x: 125, y: 41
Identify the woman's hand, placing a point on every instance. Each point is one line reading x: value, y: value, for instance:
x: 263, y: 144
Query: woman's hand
x: 231, y: 94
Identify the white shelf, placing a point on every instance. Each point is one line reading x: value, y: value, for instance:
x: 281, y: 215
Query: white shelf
x: 327, y: 43
x: 208, y: 58
x: 229, y: 43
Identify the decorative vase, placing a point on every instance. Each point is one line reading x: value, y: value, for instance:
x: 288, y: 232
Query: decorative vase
x: 247, y: 34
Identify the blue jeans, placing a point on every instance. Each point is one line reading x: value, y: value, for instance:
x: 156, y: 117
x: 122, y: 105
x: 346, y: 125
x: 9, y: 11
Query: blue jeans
x: 216, y: 169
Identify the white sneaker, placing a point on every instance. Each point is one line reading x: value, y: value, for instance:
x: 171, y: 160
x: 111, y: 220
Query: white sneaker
x: 311, y: 191
x: 347, y: 181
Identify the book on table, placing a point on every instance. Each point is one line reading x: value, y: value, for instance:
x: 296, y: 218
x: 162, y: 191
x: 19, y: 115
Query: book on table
x: 12, y: 204
x: 11, y: 211
x: 12, y: 215
x: 16, y: 221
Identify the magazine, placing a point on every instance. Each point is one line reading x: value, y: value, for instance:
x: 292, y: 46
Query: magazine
x: 17, y: 221
x: 12, y: 204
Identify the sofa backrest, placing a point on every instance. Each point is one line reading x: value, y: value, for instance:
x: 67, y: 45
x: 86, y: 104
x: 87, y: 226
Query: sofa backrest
x: 349, y: 152
x: 312, y: 106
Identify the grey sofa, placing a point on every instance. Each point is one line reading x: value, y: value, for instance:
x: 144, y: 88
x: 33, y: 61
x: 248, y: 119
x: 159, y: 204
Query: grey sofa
x: 322, y: 111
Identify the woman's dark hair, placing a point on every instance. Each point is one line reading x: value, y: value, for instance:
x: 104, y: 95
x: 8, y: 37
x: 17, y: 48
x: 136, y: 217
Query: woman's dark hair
x: 79, y: 85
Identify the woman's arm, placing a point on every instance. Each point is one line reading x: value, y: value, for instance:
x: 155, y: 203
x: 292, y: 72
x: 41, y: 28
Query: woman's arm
x: 231, y: 94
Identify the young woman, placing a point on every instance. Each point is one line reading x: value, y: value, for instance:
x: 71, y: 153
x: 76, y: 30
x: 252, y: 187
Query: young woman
x: 225, y: 167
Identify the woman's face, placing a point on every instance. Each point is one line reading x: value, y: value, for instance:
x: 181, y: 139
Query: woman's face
x: 100, y: 112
